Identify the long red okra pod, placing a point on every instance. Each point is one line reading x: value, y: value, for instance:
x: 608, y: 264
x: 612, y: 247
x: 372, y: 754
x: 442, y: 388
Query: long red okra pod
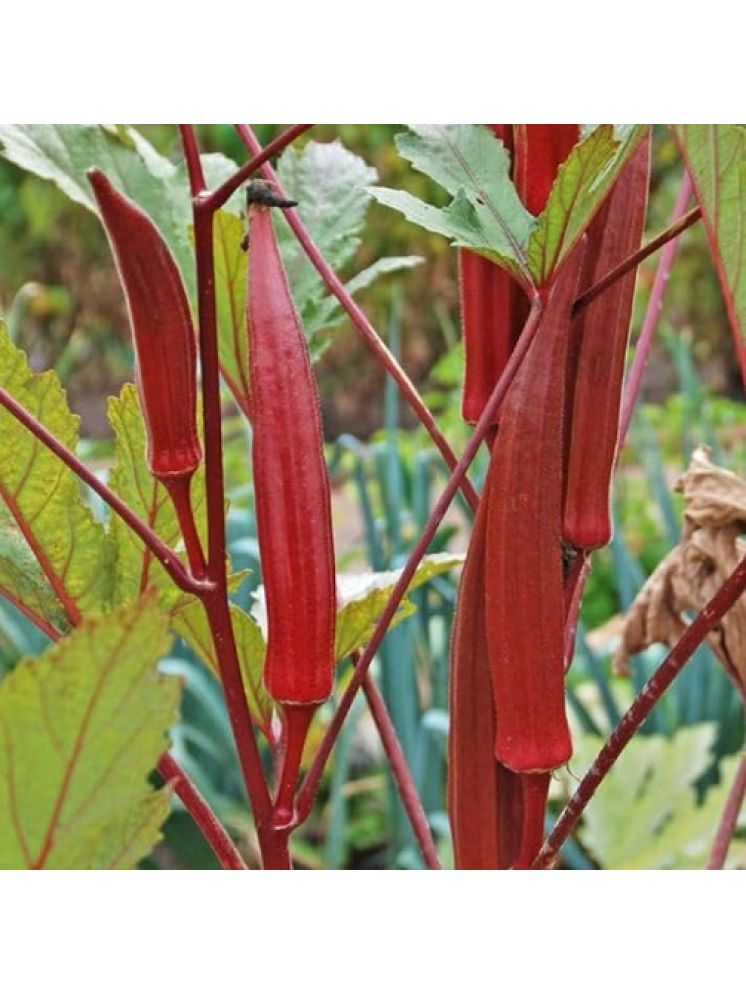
x: 524, y: 564
x: 165, y: 346
x: 293, y: 506
x: 600, y: 335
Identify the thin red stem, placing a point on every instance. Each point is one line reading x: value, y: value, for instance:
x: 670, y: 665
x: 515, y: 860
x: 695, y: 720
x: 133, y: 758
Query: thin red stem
x: 310, y: 785
x: 641, y: 707
x: 166, y: 556
x: 179, y: 491
x: 402, y: 774
x: 632, y: 262
x: 220, y: 195
x: 193, y: 161
x: 37, y: 620
x: 652, y: 315
x: 361, y: 322
x: 729, y: 821
x: 220, y: 842
x: 296, y: 722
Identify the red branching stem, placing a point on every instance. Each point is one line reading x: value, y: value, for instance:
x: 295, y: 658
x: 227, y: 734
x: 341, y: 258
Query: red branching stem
x: 214, y: 832
x: 652, y: 315
x: 166, y: 556
x: 41, y: 623
x: 193, y: 161
x: 361, y: 322
x: 729, y: 820
x: 178, y: 488
x: 402, y: 774
x: 310, y: 785
x: 631, y: 262
x: 641, y: 707
x: 216, y: 600
x: 220, y: 195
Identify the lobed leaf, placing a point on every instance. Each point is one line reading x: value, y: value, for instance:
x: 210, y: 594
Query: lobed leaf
x: 582, y: 183
x: 44, y: 517
x: 471, y: 164
x: 63, y: 153
x: 715, y: 155
x: 645, y: 814
x: 82, y: 728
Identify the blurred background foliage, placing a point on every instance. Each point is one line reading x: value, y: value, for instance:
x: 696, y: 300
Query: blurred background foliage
x: 60, y: 294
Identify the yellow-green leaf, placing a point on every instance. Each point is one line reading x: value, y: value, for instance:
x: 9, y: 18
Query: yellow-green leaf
x: 44, y: 515
x: 230, y: 291
x: 81, y: 728
x: 582, y: 183
x: 135, y: 567
x: 645, y: 815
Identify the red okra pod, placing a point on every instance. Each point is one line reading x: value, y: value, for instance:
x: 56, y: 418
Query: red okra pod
x: 163, y: 332
x: 600, y: 335
x: 524, y: 564
x: 494, y: 307
x: 293, y: 506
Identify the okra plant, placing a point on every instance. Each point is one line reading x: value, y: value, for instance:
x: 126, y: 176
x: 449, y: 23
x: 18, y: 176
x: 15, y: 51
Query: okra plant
x: 229, y: 297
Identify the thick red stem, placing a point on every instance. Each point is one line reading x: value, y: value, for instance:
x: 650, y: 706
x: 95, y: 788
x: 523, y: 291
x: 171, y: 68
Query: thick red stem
x: 641, y: 707
x: 360, y: 321
x: 729, y: 821
x: 313, y: 777
x: 220, y: 842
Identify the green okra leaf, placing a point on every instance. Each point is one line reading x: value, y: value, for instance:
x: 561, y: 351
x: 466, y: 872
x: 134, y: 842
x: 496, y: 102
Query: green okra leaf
x: 646, y: 814
x: 54, y: 556
x: 582, y: 183
x: 83, y: 726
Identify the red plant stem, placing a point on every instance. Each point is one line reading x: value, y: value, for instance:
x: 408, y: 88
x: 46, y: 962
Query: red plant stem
x: 193, y: 161
x: 361, y: 322
x: 166, y: 556
x: 216, y: 601
x: 220, y: 842
x: 41, y: 623
x: 275, y: 846
x: 401, y: 773
x: 179, y: 489
x: 631, y: 262
x: 728, y: 823
x: 220, y: 195
x: 652, y: 315
x: 313, y: 777
x: 641, y: 707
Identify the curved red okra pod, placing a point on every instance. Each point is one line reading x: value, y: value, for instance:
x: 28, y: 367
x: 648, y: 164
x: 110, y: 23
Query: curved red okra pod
x: 293, y: 506
x: 165, y: 346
